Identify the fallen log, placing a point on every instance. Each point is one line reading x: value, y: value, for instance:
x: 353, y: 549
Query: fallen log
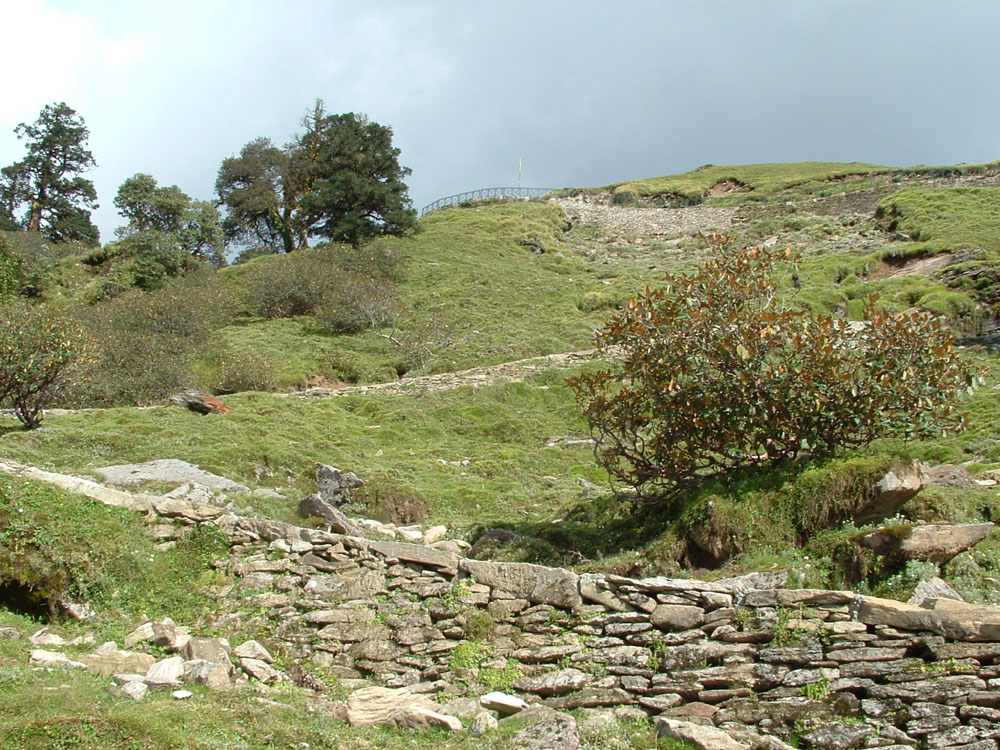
x: 200, y: 402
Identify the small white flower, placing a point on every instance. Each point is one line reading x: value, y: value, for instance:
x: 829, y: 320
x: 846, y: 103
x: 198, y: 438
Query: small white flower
x: 20, y: 510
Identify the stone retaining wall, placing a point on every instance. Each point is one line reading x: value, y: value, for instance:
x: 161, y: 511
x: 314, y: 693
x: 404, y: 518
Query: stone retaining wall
x: 828, y: 668
x: 825, y: 669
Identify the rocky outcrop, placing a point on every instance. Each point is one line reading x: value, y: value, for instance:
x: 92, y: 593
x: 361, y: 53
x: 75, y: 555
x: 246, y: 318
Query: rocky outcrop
x: 894, y: 489
x: 935, y: 542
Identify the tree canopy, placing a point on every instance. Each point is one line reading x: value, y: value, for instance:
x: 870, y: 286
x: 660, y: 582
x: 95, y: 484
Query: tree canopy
x: 340, y: 180
x: 46, y: 192
x: 193, y: 225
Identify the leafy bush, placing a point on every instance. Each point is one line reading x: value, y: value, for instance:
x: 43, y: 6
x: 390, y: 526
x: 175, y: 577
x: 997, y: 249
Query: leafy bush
x: 242, y: 370
x: 357, y: 303
x: 37, y: 349
x: 713, y: 373
x: 146, y: 343
x: 349, y: 287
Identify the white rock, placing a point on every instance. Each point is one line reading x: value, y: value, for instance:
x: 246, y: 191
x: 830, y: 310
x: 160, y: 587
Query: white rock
x: 260, y: 670
x: 142, y: 633
x: 410, y: 533
x: 45, y: 658
x: 45, y: 638
x: 181, y: 695
x: 373, y: 706
x: 421, y: 716
x: 135, y: 689
x: 435, y: 534
x: 502, y: 703
x: 707, y: 738
x: 483, y: 723
x: 253, y: 650
x: 166, y: 672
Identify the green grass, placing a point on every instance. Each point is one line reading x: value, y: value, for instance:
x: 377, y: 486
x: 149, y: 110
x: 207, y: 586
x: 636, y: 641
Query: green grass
x: 58, y: 546
x: 945, y: 219
x: 460, y: 271
x: 471, y: 453
x: 793, y: 180
x: 759, y: 179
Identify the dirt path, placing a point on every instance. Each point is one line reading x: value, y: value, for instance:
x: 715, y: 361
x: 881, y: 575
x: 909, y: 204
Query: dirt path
x: 506, y: 372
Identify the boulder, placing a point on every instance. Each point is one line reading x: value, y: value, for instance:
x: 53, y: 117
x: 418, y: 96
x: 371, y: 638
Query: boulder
x: 421, y: 717
x: 933, y: 588
x: 537, y: 584
x: 555, y: 683
x: 253, y: 650
x: 503, y: 704
x: 934, y: 542
x: 215, y: 675
x: 435, y: 534
x: 166, y: 673
x: 206, y: 649
x: 677, y: 617
x: 315, y: 505
x: 168, y: 470
x: 110, y: 661
x: 707, y: 738
x: 260, y: 670
x: 890, y: 492
x: 952, y: 619
x: 547, y: 730
x: 135, y: 689
x: 374, y: 706
x: 45, y: 658
x: 483, y: 722
x: 334, y: 486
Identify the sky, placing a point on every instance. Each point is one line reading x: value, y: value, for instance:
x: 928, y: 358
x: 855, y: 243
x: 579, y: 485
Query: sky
x: 580, y: 93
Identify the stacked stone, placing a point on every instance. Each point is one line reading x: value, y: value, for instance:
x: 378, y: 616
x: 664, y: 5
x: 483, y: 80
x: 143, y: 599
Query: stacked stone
x: 829, y: 666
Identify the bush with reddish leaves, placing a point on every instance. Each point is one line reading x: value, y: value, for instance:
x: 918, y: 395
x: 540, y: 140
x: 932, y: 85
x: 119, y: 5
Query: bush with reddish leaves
x: 714, y: 372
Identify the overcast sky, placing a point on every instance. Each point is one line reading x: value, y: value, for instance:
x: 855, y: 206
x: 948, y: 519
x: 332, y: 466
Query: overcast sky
x: 584, y: 93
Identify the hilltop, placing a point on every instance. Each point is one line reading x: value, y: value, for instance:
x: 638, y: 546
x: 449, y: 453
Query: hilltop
x: 451, y: 403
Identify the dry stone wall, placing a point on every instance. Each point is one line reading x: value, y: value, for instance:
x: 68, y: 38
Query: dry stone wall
x: 828, y: 668
x: 763, y: 664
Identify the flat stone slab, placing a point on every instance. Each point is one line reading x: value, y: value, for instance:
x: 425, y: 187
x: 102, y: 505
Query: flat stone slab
x: 538, y: 584
x: 171, y: 471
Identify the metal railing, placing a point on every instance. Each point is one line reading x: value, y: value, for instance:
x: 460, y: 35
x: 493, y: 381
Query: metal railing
x: 484, y: 194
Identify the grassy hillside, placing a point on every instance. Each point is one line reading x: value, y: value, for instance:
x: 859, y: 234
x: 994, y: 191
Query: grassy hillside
x: 736, y: 184
x: 478, y: 285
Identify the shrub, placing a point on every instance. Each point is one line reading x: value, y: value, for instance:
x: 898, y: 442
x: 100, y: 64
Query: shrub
x: 348, y: 288
x: 357, y: 303
x: 712, y: 373
x: 37, y: 349
x: 242, y: 370
x: 10, y: 269
x: 145, y: 343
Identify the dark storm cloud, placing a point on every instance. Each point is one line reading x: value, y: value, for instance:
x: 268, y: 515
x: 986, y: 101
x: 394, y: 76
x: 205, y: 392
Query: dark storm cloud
x: 584, y: 93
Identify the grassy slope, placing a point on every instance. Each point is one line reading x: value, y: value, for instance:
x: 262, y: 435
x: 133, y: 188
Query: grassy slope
x: 474, y: 296
x: 413, y: 442
x: 477, y: 297
x: 762, y: 179
x: 786, y: 180
x: 946, y: 219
